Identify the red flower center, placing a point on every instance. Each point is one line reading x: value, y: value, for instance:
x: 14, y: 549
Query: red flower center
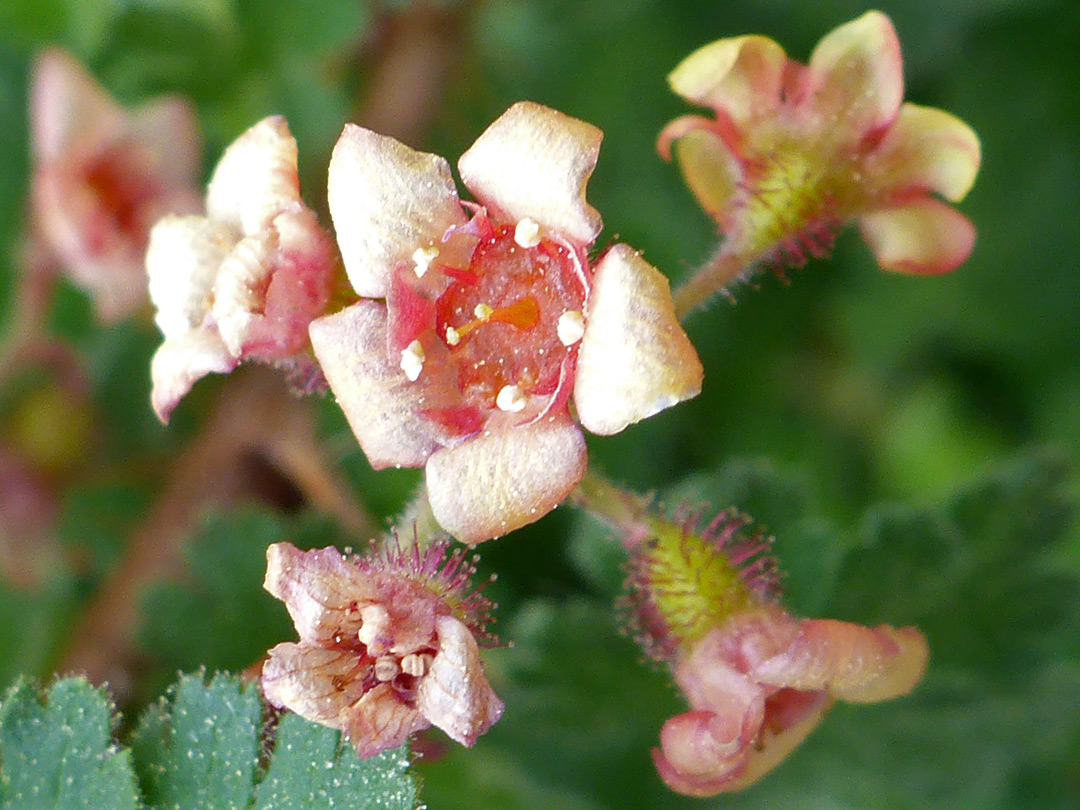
x: 124, y: 186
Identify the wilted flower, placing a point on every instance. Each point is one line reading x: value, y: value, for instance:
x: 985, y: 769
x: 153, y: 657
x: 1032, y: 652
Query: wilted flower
x: 796, y: 151
x: 492, y: 322
x: 245, y: 280
x: 387, y: 644
x: 103, y: 176
x: 757, y: 679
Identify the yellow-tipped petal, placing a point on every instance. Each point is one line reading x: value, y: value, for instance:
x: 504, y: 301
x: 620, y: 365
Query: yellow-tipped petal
x: 710, y: 169
x: 926, y: 148
x: 923, y: 237
x: 741, y: 76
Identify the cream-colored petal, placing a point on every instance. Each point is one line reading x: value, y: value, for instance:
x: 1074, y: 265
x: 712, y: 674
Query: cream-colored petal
x: 535, y: 162
x: 856, y: 78
x: 635, y: 359
x: 240, y: 287
x: 455, y: 694
x: 68, y: 108
x: 381, y: 720
x: 711, y: 171
x: 169, y: 129
x: 256, y: 179
x: 741, y: 76
x: 922, y: 237
x: 504, y: 478
x: 696, y: 757
x: 323, y: 591
x: 849, y: 661
x: 180, y: 362
x: 182, y: 263
x: 381, y: 404
x: 925, y: 149
x: 318, y: 683
x: 386, y: 200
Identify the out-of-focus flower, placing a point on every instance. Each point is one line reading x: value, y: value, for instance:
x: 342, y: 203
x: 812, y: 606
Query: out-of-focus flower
x: 387, y: 644
x: 757, y: 680
x: 492, y: 322
x: 245, y: 280
x: 104, y: 175
x: 796, y: 151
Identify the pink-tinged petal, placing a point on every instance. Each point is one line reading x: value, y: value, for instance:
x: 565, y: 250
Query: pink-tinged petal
x: 778, y: 739
x: 169, y: 129
x: 318, y: 683
x: 856, y: 78
x: 180, y: 362
x: 68, y: 108
x: 741, y: 76
x: 849, y: 661
x: 925, y: 149
x: 321, y: 589
x: 504, y: 478
x: 635, y: 359
x: 696, y: 755
x: 535, y: 162
x: 383, y: 407
x: 455, y: 694
x: 713, y: 173
x: 387, y: 201
x: 921, y: 237
x: 182, y: 261
x: 381, y: 720
x: 256, y: 179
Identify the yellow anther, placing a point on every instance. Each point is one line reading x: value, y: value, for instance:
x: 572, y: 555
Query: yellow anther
x: 483, y: 312
x: 527, y: 233
x: 423, y: 257
x: 412, y: 360
x: 511, y: 399
x: 570, y: 327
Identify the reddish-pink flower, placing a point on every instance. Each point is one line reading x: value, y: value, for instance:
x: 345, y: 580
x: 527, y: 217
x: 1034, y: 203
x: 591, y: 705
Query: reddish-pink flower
x: 387, y: 644
x: 244, y: 281
x: 705, y: 600
x: 103, y: 176
x: 493, y: 320
x: 795, y: 151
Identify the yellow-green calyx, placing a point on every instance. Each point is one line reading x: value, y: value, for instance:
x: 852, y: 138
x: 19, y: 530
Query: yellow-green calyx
x: 690, y: 577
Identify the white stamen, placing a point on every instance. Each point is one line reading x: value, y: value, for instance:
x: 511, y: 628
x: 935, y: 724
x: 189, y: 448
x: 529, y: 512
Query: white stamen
x: 482, y: 312
x: 415, y: 664
x: 453, y: 336
x: 386, y: 668
x: 412, y: 360
x: 423, y: 257
x: 570, y: 327
x: 527, y: 233
x: 511, y: 399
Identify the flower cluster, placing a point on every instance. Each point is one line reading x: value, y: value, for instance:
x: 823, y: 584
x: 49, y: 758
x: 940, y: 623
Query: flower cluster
x: 795, y: 151
x: 387, y: 644
x: 493, y: 319
x: 245, y: 280
x: 103, y: 176
x: 704, y: 599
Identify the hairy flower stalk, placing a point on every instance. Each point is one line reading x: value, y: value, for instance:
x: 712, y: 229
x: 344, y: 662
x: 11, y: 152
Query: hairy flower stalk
x: 480, y: 323
x: 388, y: 643
x: 796, y: 151
x: 703, y: 597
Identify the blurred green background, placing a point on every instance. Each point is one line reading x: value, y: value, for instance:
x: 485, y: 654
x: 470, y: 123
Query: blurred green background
x: 911, y: 441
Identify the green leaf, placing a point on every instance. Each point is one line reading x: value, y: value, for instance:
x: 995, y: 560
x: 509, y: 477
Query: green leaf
x: 58, y: 754
x: 227, y: 562
x: 313, y: 767
x: 205, y: 754
x: 279, y: 27
x: 199, y: 749
x: 33, y: 624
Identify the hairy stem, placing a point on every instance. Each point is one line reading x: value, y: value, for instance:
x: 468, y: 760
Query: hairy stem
x: 718, y: 271
x: 624, y: 511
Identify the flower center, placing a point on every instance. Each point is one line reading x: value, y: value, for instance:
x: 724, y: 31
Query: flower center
x: 500, y: 319
x: 124, y: 188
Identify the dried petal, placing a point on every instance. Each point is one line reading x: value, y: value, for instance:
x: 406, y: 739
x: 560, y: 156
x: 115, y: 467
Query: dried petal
x: 504, y: 478
x: 535, y: 162
x: 635, y: 360
x: 455, y: 695
x: 381, y: 720
x: 318, y: 683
